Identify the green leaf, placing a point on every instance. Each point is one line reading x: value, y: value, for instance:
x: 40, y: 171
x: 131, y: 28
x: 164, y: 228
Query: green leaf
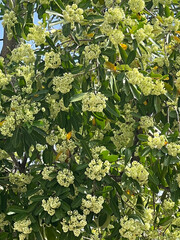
x: 77, y: 97
x: 17, y: 209
x: 66, y: 29
x: 142, y: 137
x: 49, y: 40
x: 165, y: 128
x: 77, y: 202
x: 157, y: 103
x: 131, y: 57
x: 128, y: 155
x: 111, y: 109
x: 86, y: 148
x: 3, y: 235
x: 123, y: 54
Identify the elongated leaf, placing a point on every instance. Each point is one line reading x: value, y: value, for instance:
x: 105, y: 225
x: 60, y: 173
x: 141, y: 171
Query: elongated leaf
x: 131, y: 57
x: 66, y: 29
x: 123, y: 54
x: 77, y: 97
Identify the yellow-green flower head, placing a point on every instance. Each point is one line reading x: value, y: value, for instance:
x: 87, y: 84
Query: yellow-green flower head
x: 173, y: 149
x: 2, y: 221
x: 73, y: 14
x: 92, y: 204
x: 178, y: 179
x: 52, y: 60
x: 24, y: 53
x: 76, y: 223
x: 97, y: 169
x: 146, y: 122
x: 9, y: 21
x: 51, y: 204
x: 46, y: 172
x: 92, y: 52
x: 138, y: 172
x: 136, y: 5
x: 65, y: 177
x: 38, y: 34
x: 158, y: 141
x: 114, y: 15
x: 131, y: 228
x: 116, y: 36
x: 63, y: 84
x: 93, y: 102
x: 23, y: 226
x: 4, y: 79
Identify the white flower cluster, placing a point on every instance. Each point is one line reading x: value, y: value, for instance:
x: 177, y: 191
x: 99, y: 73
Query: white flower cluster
x: 64, y: 149
x: 92, y: 204
x: 22, y: 226
x: 136, y: 5
x: 178, y: 179
x: 21, y: 110
x: 65, y: 177
x: 38, y: 34
x: 9, y: 21
x: 24, y: 53
x: 21, y: 180
x: 171, y: 23
x: 76, y: 223
x: 46, y: 172
x: 92, y: 52
x: 146, y: 122
x: 144, y: 33
x: 52, y: 138
x: 97, y: 151
x: 157, y: 141
x: 2, y: 221
x: 173, y: 149
x: 93, y: 102
x: 114, y: 15
x: 52, y: 60
x: 116, y: 37
x: 146, y: 84
x: 73, y: 14
x: 97, y: 169
x: 109, y: 3
x: 168, y: 204
x: 28, y: 73
x: 131, y: 228
x: 137, y: 172
x: 123, y: 136
x: 3, y: 154
x: 4, y: 79
x: 63, y: 84
x: 51, y: 204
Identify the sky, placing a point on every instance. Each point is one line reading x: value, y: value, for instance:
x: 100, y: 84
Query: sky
x: 1, y: 35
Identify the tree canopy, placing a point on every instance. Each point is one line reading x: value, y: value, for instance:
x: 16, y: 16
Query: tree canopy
x: 90, y: 120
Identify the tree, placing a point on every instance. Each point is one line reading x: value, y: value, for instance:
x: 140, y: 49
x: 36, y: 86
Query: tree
x: 89, y: 120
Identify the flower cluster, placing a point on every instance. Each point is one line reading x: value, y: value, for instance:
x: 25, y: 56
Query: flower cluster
x: 45, y: 1
x: 22, y: 226
x: 73, y: 14
x: 114, y: 15
x: 131, y: 228
x: 146, y: 122
x: 173, y: 149
x: 146, y: 84
x: 21, y: 110
x: 64, y: 149
x: 75, y: 223
x: 63, y: 84
x: 52, y: 60
x: 51, y: 204
x: 65, y: 177
x: 157, y: 141
x: 97, y: 169
x: 21, y: 180
x: 136, y: 5
x: 123, y: 134
x: 9, y: 21
x: 24, y: 53
x: 171, y: 23
x: 168, y: 204
x: 92, y: 52
x: 4, y: 80
x: 2, y: 221
x: 46, y: 172
x: 38, y: 34
x: 28, y: 73
x: 93, y: 102
x: 92, y: 204
x: 137, y: 172
x: 116, y: 36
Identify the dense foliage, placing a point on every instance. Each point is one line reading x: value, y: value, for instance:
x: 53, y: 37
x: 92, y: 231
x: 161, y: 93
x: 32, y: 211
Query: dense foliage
x: 90, y: 121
